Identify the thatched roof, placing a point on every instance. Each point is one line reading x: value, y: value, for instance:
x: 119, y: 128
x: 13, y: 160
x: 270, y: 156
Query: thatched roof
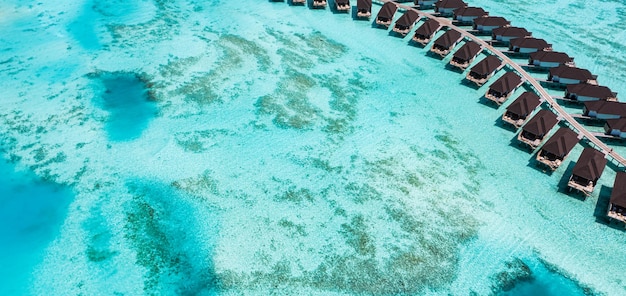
x: 448, y: 39
x: 561, y: 143
x: 468, y: 51
x: 469, y: 11
x: 541, y: 123
x: 506, y: 83
x: 387, y: 11
x: 450, y: 4
x: 364, y: 5
x: 511, y: 32
x: 529, y: 42
x: 571, y: 73
x: 590, y: 165
x: 407, y: 19
x: 588, y: 90
x: 551, y: 57
x: 486, y: 66
x: 617, y: 124
x: 490, y: 21
x: 618, y: 195
x: 428, y: 28
x: 605, y: 107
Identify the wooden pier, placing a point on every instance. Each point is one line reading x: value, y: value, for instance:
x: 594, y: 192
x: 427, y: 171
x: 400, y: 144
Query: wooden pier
x: 534, y: 83
x: 550, y: 101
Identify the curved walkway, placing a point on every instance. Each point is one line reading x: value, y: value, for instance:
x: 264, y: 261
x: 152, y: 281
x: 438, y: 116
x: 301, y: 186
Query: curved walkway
x: 575, y: 125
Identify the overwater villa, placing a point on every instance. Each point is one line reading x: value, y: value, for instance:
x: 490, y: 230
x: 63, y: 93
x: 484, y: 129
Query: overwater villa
x: 506, y: 34
x: 583, y: 92
x: 385, y: 15
x: 518, y: 111
x: 342, y: 5
x: 550, y: 59
x: 319, y: 3
x: 564, y: 75
x: 423, y: 4
x: 426, y: 31
x: 363, y: 9
x: 604, y: 109
x: 487, y: 24
x: 501, y: 89
x: 587, y: 171
x: 303, y: 2
x: 528, y: 45
x: 405, y: 22
x: 483, y: 70
x: 617, y: 202
x: 446, y: 42
x: 447, y: 7
x: 616, y: 127
x: 557, y: 148
x: 537, y: 128
x: 464, y: 56
x: 466, y: 15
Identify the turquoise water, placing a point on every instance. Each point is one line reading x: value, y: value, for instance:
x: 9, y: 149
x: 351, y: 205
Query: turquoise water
x: 253, y: 147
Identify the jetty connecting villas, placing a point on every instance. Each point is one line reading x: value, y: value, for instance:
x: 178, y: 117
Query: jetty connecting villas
x: 581, y: 86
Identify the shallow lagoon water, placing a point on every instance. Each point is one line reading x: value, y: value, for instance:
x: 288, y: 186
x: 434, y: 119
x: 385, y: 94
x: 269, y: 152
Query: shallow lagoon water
x: 285, y: 150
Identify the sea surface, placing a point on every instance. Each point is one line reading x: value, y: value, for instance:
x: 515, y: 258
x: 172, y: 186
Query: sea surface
x: 252, y: 147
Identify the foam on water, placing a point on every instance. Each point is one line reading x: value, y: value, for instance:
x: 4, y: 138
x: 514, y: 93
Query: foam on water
x: 219, y: 149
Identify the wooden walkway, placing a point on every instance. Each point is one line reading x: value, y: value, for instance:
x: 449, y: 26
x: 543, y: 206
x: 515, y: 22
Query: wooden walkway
x: 554, y: 106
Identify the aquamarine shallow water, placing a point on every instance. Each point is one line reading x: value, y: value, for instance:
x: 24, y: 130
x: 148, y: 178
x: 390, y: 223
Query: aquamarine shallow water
x: 248, y: 147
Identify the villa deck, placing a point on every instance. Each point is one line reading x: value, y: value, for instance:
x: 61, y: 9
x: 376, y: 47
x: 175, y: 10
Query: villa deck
x: 587, y: 171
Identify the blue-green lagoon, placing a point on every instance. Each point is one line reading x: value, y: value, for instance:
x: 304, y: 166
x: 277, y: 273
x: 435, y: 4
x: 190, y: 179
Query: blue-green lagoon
x: 255, y: 148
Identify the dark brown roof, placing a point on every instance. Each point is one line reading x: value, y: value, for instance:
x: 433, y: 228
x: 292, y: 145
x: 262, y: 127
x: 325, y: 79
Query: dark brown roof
x: 491, y: 21
x: 551, y: 56
x: 524, y: 104
x: 407, y: 19
x: 364, y: 5
x: 541, y: 123
x: 486, y: 66
x: 605, y: 107
x: 563, y: 71
x: 450, y: 4
x: 590, y: 164
x: 469, y: 11
x: 561, y: 143
x: 618, y: 195
x: 468, y: 51
x: 387, y: 11
x: 511, y: 32
x: 448, y: 39
x: 589, y: 90
x: 428, y: 28
x: 344, y: 2
x: 529, y: 42
x: 506, y: 83
x: 618, y: 124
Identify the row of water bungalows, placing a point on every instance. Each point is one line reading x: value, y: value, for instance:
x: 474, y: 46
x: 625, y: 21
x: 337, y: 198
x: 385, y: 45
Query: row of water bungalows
x: 340, y: 5
x: 557, y: 148
x: 599, y: 101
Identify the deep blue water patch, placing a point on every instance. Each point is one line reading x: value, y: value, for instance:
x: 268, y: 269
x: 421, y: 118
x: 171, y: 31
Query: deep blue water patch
x: 546, y: 282
x: 31, y: 213
x: 84, y: 30
x: 125, y: 96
